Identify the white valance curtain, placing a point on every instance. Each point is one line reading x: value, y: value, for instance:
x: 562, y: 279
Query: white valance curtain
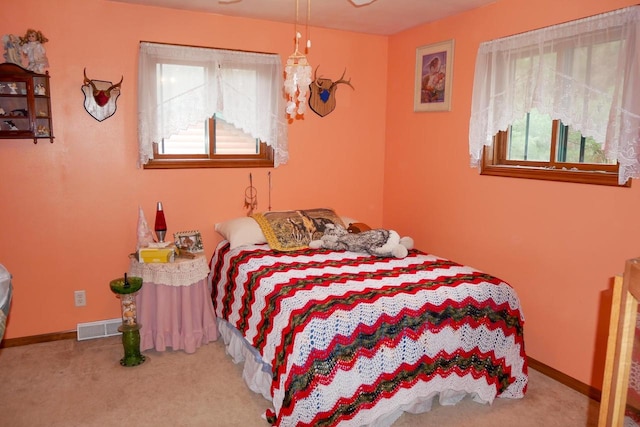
x: 585, y: 73
x: 259, y: 112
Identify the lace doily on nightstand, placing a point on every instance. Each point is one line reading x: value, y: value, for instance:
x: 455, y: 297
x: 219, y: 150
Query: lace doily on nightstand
x: 181, y: 272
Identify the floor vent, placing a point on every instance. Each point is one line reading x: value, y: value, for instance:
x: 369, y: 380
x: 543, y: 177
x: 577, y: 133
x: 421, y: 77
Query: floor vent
x: 100, y: 329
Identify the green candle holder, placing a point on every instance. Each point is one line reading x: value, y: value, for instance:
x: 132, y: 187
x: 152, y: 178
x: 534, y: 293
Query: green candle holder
x: 126, y: 289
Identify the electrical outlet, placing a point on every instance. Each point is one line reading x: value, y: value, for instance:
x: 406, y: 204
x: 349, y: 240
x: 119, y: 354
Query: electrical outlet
x: 80, y: 298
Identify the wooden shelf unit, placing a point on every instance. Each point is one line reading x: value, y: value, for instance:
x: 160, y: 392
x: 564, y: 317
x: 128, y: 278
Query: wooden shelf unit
x: 25, y: 104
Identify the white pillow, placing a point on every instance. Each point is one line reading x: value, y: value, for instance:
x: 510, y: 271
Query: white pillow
x: 241, y: 231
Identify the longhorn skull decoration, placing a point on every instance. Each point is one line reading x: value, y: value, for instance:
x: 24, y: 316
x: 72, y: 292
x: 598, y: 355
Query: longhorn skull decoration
x: 323, y: 93
x: 100, y: 97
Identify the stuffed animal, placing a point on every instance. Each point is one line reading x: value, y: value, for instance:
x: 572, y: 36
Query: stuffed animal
x: 378, y: 242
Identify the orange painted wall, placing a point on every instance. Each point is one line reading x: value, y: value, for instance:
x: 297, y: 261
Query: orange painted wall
x: 70, y: 209
x: 558, y: 244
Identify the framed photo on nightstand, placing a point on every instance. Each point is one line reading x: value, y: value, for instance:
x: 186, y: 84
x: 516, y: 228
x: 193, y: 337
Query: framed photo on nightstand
x: 190, y: 241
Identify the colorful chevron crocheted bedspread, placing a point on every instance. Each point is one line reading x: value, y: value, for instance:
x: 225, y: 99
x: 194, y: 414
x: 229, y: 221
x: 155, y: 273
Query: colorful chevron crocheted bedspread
x: 350, y: 338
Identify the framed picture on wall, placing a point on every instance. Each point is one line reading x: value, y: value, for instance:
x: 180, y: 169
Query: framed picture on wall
x: 434, y: 75
x: 189, y: 241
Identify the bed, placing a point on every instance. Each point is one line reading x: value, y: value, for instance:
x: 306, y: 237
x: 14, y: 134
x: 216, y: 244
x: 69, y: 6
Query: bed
x: 344, y: 338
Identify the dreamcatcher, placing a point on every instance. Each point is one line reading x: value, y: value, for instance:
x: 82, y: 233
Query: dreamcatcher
x: 250, y: 197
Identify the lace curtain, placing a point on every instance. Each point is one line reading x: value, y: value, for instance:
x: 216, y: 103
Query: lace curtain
x: 585, y: 73
x: 259, y: 112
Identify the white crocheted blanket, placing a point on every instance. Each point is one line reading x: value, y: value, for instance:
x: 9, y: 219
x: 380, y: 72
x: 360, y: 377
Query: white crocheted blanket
x: 353, y: 339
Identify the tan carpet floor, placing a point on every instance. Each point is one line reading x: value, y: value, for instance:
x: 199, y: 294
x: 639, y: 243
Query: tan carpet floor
x: 69, y: 383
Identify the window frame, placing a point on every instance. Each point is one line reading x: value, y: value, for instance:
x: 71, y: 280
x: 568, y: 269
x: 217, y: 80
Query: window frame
x: 262, y: 159
x: 495, y: 163
x: 498, y: 99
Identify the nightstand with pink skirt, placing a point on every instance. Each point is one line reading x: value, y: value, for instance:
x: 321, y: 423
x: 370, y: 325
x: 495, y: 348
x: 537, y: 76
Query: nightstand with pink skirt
x: 174, y: 305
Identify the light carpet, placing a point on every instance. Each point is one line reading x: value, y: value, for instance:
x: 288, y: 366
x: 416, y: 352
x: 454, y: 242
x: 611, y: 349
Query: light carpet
x: 70, y: 383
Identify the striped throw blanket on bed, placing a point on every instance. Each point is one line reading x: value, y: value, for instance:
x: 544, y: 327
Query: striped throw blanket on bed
x: 353, y: 339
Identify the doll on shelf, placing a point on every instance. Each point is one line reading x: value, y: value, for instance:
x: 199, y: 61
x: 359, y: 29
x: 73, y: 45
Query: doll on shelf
x: 33, y: 49
x: 11, y: 44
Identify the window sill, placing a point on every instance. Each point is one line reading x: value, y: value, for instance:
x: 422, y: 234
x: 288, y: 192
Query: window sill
x: 208, y: 163
x: 563, y: 175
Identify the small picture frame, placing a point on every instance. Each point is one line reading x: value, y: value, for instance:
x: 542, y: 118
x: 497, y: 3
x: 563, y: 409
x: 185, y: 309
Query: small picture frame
x: 189, y: 241
x: 434, y: 75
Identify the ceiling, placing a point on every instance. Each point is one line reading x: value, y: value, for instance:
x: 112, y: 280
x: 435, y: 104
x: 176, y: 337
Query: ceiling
x: 382, y: 17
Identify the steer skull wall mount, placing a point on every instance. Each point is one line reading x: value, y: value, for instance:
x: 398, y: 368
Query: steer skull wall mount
x: 323, y: 93
x: 100, y: 97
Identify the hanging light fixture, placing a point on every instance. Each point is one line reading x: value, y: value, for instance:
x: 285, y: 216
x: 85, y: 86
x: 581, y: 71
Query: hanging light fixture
x: 298, y: 73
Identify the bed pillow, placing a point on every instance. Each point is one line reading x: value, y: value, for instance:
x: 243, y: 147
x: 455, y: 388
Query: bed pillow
x: 293, y: 230
x: 241, y: 231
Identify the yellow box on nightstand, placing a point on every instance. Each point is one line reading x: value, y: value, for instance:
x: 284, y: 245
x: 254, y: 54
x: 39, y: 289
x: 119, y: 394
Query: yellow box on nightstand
x: 151, y: 255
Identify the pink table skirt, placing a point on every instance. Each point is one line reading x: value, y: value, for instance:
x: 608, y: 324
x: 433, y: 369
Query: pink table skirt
x: 180, y: 317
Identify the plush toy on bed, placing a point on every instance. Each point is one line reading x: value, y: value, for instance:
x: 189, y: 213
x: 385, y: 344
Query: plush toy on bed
x: 378, y: 242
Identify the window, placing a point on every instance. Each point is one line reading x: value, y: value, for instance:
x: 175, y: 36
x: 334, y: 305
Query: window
x: 566, y: 96
x: 202, y: 107
x: 211, y: 143
x: 536, y: 146
x: 214, y: 136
